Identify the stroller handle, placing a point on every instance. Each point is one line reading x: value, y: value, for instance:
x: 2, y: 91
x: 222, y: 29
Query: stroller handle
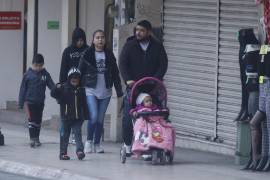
x: 154, y: 113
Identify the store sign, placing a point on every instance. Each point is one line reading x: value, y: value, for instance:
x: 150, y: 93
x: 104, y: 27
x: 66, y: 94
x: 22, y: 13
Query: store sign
x: 10, y: 20
x: 53, y: 25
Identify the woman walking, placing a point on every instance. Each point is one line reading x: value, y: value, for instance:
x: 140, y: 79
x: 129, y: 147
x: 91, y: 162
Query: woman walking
x: 99, y: 73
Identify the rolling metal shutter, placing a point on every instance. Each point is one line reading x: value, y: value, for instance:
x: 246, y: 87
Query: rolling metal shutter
x: 203, y: 78
x: 234, y: 15
x: 190, y: 40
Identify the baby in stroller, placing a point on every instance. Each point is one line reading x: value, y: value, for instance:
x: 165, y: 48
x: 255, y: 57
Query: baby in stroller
x: 154, y: 136
x: 144, y: 103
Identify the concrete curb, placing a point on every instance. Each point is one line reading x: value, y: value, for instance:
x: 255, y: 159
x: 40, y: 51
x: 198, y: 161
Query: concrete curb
x: 39, y: 172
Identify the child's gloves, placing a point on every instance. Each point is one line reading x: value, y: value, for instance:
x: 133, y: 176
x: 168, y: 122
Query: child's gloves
x: 135, y: 114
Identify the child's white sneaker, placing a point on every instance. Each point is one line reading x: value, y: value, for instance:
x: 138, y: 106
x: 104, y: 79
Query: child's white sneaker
x: 98, y: 148
x: 73, y: 141
x: 88, y: 147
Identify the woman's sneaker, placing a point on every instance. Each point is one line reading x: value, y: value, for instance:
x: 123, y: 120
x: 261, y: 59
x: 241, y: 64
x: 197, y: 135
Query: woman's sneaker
x: 88, y: 147
x: 64, y: 157
x: 98, y: 148
x: 32, y: 143
x: 80, y: 155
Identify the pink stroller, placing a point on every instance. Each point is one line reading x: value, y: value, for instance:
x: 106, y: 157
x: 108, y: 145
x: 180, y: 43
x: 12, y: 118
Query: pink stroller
x: 153, y: 133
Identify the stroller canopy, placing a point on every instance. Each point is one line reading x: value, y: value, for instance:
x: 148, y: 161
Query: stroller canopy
x: 152, y: 86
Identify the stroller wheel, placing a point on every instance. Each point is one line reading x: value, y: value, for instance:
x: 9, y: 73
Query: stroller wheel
x: 123, y: 154
x: 154, y: 157
x: 169, y: 157
x: 162, y: 157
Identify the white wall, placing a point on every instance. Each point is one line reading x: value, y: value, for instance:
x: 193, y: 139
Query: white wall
x: 49, y: 45
x: 52, y: 42
x: 11, y: 59
x: 91, y: 16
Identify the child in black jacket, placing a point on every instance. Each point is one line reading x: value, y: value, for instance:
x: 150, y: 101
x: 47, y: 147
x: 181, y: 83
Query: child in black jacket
x: 32, y: 96
x: 73, y: 110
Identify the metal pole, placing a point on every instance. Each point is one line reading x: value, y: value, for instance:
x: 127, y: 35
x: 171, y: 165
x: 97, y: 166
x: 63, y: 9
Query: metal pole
x: 216, y: 80
x: 36, y: 28
x: 77, y: 13
x: 25, y: 35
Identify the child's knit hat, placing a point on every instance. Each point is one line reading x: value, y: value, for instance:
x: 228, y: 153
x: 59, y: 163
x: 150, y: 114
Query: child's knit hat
x: 74, y: 73
x: 141, y: 97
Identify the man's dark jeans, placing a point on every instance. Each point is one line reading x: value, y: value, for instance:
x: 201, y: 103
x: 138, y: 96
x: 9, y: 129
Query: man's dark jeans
x: 127, y: 120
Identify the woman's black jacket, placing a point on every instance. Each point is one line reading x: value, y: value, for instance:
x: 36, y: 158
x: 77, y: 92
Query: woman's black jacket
x: 88, y: 68
x: 72, y: 100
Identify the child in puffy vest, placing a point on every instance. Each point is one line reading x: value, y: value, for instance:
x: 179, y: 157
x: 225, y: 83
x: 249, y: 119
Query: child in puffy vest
x: 73, y: 108
x: 32, y: 96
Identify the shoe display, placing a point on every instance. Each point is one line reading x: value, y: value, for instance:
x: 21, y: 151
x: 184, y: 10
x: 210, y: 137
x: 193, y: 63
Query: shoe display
x: 267, y: 166
x: 254, y: 164
x: 262, y: 163
x: 248, y: 165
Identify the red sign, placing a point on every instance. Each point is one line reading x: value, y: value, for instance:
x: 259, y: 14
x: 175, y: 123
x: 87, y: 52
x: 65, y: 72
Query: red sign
x: 10, y: 20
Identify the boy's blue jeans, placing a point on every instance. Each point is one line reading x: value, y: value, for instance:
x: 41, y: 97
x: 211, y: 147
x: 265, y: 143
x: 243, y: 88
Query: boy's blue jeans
x: 97, y: 109
x: 76, y: 127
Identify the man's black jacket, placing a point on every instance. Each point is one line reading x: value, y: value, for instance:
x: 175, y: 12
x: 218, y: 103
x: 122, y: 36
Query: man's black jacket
x: 135, y: 63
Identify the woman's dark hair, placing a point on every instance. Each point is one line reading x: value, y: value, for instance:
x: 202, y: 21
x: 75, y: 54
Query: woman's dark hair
x: 94, y: 34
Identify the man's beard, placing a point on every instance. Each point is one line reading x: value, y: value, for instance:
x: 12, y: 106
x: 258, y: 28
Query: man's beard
x: 145, y: 39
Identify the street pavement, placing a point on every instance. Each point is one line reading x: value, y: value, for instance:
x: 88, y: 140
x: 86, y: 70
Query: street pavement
x: 17, y: 157
x: 8, y: 176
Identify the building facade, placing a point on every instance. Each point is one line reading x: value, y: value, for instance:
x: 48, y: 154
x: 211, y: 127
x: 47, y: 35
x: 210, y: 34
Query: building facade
x: 200, y: 37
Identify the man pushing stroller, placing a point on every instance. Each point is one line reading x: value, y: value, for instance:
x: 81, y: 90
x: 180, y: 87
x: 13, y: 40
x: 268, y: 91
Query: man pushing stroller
x: 142, y: 56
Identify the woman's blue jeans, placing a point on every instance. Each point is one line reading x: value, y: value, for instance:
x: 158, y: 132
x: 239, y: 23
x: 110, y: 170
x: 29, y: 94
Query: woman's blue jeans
x: 97, y: 109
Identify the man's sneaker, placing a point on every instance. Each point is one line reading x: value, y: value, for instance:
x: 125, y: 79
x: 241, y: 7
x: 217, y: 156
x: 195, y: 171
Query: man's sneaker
x: 147, y: 157
x: 32, y: 143
x: 98, y: 148
x: 128, y: 150
x: 37, y: 142
x: 88, y: 147
x: 80, y: 155
x: 64, y: 157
